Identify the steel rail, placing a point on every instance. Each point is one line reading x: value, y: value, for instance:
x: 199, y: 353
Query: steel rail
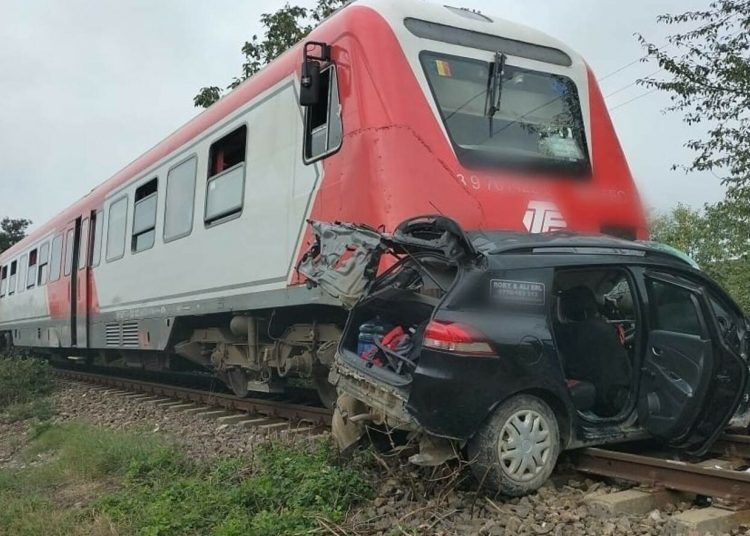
x: 733, y: 446
x: 254, y: 406
x: 657, y: 472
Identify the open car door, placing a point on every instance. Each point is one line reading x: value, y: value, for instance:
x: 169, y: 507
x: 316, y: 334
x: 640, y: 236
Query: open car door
x: 345, y: 257
x: 691, y: 380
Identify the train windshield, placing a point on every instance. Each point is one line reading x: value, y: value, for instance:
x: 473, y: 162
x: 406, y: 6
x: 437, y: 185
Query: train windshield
x: 534, y: 123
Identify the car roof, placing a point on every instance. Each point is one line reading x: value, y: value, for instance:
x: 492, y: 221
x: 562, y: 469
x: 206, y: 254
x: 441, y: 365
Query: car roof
x: 570, y: 243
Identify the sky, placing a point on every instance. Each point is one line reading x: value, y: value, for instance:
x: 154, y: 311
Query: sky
x: 86, y: 86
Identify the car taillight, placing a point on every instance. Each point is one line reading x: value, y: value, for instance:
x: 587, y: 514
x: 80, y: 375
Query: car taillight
x: 456, y: 338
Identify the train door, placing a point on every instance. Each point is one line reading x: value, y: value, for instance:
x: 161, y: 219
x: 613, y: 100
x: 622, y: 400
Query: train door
x: 70, y: 271
x: 82, y: 284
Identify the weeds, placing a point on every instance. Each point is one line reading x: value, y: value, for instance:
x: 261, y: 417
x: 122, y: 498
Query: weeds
x: 40, y: 409
x: 284, y: 492
x: 25, y: 383
x: 132, y: 483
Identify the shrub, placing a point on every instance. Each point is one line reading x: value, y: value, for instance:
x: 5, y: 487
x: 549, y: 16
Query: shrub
x: 23, y: 379
x: 40, y: 409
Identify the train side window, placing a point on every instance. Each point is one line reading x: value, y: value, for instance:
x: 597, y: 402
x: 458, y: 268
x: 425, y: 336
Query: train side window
x: 43, y: 272
x: 31, y: 274
x: 69, y: 236
x: 180, y: 201
x: 83, y: 247
x: 3, y: 280
x: 22, y: 266
x: 55, y: 258
x: 96, y: 246
x: 144, y: 216
x: 12, y: 278
x: 323, y: 127
x: 118, y: 215
x: 226, y: 177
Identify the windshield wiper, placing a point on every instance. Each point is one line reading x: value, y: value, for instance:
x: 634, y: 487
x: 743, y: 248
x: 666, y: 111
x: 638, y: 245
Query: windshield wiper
x: 495, y: 85
x: 495, y: 88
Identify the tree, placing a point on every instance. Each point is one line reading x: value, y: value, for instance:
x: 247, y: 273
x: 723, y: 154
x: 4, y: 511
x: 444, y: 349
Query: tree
x: 708, y: 68
x: 283, y: 28
x: 703, y: 235
x: 12, y: 231
x: 707, y: 65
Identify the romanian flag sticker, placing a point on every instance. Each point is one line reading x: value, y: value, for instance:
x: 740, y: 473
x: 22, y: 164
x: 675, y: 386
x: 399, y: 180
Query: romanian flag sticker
x: 443, y: 68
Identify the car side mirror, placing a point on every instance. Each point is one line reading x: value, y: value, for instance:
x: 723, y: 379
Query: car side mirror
x: 309, y: 88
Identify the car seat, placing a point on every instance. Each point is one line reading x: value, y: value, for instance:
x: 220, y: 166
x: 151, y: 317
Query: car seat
x: 591, y: 350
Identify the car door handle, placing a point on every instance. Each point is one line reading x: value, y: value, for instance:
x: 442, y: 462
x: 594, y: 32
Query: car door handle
x: 657, y: 352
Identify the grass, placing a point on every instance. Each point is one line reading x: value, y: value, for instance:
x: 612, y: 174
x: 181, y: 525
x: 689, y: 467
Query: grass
x: 77, y: 479
x: 25, y: 383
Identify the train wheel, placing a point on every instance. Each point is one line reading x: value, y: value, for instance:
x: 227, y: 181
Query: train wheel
x: 326, y: 391
x: 236, y: 380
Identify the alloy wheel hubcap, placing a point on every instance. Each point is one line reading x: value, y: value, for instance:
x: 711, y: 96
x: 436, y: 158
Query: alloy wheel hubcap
x: 524, y: 446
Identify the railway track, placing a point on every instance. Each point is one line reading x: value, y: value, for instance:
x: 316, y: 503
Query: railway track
x: 724, y: 478
x: 252, y: 407
x: 723, y: 481
x: 718, y: 488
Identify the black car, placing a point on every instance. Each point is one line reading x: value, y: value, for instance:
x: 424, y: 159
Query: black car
x: 510, y: 347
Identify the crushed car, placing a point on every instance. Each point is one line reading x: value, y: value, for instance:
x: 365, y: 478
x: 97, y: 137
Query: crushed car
x: 508, y: 348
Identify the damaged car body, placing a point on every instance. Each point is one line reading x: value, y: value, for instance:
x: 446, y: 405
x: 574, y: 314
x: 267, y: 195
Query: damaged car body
x: 507, y: 348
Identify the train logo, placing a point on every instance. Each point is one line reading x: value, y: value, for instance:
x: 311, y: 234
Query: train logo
x: 543, y: 217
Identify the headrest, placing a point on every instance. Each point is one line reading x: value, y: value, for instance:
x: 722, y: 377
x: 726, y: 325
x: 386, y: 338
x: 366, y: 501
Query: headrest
x: 576, y: 304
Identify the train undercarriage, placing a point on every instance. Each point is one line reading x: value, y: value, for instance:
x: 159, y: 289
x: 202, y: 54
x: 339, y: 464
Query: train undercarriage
x: 258, y: 351
x: 247, y: 356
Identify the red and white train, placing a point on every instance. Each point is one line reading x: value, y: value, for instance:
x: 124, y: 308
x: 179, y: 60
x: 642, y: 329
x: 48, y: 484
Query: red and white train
x: 416, y: 108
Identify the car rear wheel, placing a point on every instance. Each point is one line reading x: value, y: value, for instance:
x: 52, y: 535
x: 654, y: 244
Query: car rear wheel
x: 516, y: 449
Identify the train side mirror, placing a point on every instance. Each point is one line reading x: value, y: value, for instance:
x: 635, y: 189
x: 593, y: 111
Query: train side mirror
x: 314, y: 54
x: 309, y: 90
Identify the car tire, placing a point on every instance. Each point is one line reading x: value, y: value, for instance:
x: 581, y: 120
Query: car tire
x: 528, y: 424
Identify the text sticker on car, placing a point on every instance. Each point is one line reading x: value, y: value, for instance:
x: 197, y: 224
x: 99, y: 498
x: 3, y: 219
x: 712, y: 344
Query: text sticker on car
x: 520, y: 292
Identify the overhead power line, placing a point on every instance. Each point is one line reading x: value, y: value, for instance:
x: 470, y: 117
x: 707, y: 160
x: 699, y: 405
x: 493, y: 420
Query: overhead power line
x: 623, y: 88
x: 663, y: 47
x: 633, y: 99
x: 637, y: 60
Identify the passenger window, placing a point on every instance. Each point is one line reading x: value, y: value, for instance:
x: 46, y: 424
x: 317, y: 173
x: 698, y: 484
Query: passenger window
x: 226, y: 182
x: 323, y: 128
x: 178, y: 210
x: 673, y: 308
x: 31, y: 274
x: 56, y: 258
x: 69, y: 236
x: 96, y: 248
x: 3, y: 280
x: 144, y: 216
x: 12, y: 279
x: 83, y: 247
x: 43, y: 272
x: 118, y: 215
x: 22, y: 266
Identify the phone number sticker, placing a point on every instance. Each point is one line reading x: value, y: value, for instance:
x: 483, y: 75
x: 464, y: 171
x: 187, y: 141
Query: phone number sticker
x: 525, y: 292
